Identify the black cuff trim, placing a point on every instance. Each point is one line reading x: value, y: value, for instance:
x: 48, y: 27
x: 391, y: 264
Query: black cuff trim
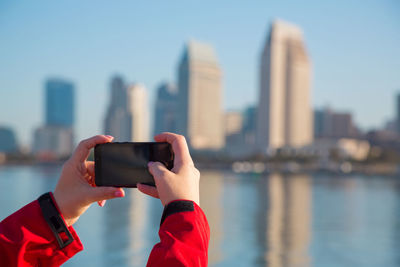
x: 54, y: 220
x: 175, y: 207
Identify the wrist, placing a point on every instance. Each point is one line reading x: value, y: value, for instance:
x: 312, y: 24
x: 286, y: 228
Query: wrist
x: 60, y: 207
x: 176, y: 206
x: 55, y: 220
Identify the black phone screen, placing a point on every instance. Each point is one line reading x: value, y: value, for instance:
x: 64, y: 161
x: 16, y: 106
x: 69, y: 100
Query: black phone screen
x: 125, y: 164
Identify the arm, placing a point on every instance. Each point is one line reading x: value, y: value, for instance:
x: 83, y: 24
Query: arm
x: 31, y: 236
x: 184, y: 236
x: 184, y: 231
x: 27, y: 240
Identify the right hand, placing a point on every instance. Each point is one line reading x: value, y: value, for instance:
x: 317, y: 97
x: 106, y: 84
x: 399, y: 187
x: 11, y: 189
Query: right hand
x: 182, y: 182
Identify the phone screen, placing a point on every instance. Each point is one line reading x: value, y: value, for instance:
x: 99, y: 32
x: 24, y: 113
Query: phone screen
x: 125, y: 164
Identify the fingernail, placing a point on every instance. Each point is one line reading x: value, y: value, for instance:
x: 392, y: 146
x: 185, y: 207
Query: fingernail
x: 110, y: 136
x: 150, y: 163
x: 118, y: 194
x: 102, y: 203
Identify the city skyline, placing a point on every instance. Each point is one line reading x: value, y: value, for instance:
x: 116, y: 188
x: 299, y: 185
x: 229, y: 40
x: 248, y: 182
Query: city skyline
x: 357, y: 59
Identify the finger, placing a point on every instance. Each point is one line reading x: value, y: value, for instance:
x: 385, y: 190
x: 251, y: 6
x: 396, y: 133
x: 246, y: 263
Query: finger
x: 104, y: 192
x: 158, y: 170
x: 90, y: 167
x: 179, y: 146
x: 148, y: 190
x: 83, y: 149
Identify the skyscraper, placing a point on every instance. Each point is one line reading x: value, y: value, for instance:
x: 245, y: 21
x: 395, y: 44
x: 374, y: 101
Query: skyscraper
x: 127, y: 116
x: 166, y: 109
x: 284, y: 111
x: 117, y: 120
x: 250, y: 127
x: 8, y: 140
x: 398, y: 113
x: 55, y: 139
x: 59, y: 103
x: 332, y: 124
x: 200, y: 97
x: 138, y: 110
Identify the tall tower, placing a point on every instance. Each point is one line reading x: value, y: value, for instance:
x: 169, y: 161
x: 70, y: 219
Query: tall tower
x: 55, y: 139
x: 127, y: 117
x: 166, y: 109
x: 200, y: 97
x: 116, y: 122
x: 59, y: 103
x: 284, y: 110
x: 138, y: 113
x: 398, y: 113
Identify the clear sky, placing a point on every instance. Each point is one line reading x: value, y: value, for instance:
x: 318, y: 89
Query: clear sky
x: 354, y: 48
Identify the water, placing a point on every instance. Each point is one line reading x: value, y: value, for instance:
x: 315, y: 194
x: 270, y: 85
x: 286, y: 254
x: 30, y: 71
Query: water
x: 275, y: 220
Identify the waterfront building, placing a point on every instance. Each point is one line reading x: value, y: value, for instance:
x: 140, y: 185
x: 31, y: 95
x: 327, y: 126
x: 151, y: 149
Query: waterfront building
x: 127, y: 116
x: 398, y: 113
x: 138, y: 113
x: 200, y: 114
x: 53, y: 142
x: 55, y: 139
x: 333, y: 124
x: 284, y: 108
x: 165, y: 114
x: 59, y: 102
x: 8, y: 140
x: 233, y: 126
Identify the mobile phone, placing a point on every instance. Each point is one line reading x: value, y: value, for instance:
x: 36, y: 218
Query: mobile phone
x: 125, y: 164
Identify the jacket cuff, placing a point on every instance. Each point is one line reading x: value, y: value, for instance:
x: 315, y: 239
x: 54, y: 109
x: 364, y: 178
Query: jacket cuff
x: 175, y: 206
x: 68, y: 241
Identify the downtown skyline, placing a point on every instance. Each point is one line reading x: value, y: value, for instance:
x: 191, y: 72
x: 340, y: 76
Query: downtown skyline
x: 90, y: 70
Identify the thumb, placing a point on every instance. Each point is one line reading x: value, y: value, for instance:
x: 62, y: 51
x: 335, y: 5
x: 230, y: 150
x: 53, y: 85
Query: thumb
x: 100, y: 193
x: 158, y: 170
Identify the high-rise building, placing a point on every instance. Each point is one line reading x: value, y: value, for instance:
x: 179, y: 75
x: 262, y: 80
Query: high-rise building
x: 166, y: 109
x: 55, y: 139
x: 116, y: 122
x: 138, y: 110
x: 233, y: 122
x: 59, y: 103
x: 398, y: 113
x: 250, y: 127
x: 127, y: 116
x: 8, y: 141
x: 332, y: 124
x: 52, y: 142
x: 200, y: 97
x: 284, y: 108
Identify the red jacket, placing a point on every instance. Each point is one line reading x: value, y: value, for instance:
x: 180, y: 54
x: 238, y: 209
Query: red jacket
x: 27, y: 240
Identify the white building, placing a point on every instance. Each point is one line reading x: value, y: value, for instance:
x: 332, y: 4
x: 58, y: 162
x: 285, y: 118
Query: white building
x: 200, y: 114
x: 53, y: 142
x: 284, y: 116
x: 138, y: 110
x: 127, y: 117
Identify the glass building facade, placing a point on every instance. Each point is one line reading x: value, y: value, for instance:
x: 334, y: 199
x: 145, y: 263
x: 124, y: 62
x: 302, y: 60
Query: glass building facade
x: 59, y: 103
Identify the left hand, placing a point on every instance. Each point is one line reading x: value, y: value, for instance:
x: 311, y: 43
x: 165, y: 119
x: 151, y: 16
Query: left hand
x: 75, y: 190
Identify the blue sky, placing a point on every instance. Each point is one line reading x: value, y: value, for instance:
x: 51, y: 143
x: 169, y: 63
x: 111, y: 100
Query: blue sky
x: 354, y: 47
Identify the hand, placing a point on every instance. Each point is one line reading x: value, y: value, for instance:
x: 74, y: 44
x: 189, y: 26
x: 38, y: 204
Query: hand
x: 182, y: 182
x: 75, y: 190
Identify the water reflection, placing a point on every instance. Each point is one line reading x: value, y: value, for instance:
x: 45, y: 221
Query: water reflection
x: 284, y: 220
x: 211, y: 193
x: 275, y: 220
x: 116, y: 237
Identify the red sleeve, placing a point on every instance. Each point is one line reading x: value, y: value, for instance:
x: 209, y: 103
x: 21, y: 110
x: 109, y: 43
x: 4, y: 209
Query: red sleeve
x: 184, y: 236
x: 27, y: 240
